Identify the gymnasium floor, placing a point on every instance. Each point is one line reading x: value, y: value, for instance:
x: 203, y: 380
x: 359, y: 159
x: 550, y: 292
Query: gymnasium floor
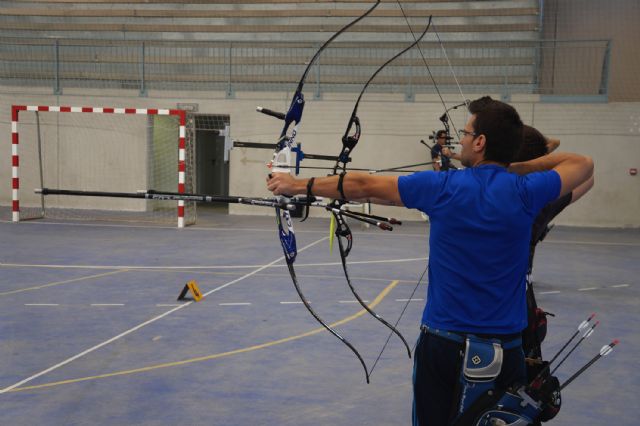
x: 91, y: 332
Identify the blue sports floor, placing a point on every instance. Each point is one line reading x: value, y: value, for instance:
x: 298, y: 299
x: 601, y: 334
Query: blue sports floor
x: 91, y: 332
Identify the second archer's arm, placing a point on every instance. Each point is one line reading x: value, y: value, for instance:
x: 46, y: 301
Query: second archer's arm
x: 451, y: 154
x: 552, y: 144
x: 574, y: 169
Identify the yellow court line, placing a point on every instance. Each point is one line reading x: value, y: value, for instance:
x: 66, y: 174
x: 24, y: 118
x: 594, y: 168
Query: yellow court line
x: 358, y: 314
x: 272, y: 274
x: 62, y: 282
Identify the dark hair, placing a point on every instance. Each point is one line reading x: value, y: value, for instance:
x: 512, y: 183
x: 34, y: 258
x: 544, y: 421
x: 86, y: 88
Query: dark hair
x: 534, y: 145
x: 479, y: 104
x: 441, y: 133
x: 501, y: 125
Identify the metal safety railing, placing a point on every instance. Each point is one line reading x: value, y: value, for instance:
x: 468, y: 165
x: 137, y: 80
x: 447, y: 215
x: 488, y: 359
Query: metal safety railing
x: 550, y: 67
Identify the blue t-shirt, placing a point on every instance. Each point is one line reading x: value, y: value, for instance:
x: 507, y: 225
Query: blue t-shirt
x: 481, y: 220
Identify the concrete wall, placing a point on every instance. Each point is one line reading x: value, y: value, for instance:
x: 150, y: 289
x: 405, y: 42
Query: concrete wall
x: 615, y: 20
x: 392, y: 129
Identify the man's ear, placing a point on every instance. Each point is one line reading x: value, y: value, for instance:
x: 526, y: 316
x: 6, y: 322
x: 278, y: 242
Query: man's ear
x: 479, y: 144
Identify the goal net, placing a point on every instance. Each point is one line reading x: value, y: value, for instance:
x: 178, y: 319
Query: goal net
x: 100, y: 149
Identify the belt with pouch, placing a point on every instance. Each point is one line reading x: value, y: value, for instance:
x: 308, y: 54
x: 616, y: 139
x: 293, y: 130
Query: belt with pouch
x: 507, y: 341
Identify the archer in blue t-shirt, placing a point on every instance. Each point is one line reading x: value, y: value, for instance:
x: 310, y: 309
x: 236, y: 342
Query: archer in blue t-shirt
x: 493, y: 211
x: 494, y: 204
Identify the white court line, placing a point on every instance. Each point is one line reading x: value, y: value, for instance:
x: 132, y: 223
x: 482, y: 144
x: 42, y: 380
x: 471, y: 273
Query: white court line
x: 409, y: 300
x: 367, y: 262
x: 41, y: 304
x: 193, y: 228
x: 132, y: 267
x: 593, y: 243
x: 549, y: 292
x: 234, y: 304
x: 351, y: 301
x: 107, y: 304
x: 152, y: 226
x: 27, y: 265
x: 59, y: 282
x: 141, y: 325
x: 620, y: 285
x: 144, y: 226
x: 587, y: 288
x: 293, y: 303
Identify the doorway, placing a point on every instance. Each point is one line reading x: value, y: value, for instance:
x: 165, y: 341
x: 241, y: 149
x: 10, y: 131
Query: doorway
x: 212, y: 169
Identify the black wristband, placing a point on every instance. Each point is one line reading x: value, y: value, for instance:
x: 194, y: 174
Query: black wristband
x: 340, y: 183
x: 309, y: 186
x: 309, y: 198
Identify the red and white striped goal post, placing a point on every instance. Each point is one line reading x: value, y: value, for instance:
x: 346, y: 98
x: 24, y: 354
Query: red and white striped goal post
x: 15, y: 160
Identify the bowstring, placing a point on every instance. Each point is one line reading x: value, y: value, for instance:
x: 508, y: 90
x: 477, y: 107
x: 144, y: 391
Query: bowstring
x: 451, y: 121
x: 455, y: 78
x: 444, y: 52
x: 406, y: 305
x: 433, y: 80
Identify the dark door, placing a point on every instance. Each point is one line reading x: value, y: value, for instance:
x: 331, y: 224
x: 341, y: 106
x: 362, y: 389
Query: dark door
x: 212, y: 171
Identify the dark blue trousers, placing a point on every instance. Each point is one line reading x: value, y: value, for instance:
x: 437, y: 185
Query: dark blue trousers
x: 436, y: 372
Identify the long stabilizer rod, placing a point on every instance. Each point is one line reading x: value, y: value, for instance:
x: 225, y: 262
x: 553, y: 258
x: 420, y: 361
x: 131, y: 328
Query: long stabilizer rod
x: 285, y: 203
x: 288, y: 203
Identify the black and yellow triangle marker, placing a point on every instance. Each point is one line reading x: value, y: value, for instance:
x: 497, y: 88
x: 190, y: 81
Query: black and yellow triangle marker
x: 192, y: 287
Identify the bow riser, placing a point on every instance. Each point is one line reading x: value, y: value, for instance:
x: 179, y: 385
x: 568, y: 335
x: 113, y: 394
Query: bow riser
x: 288, y: 237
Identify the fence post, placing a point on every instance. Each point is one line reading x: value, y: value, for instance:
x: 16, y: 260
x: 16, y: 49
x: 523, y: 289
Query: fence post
x: 143, y: 86
x: 318, y: 93
x: 604, y: 79
x: 538, y: 54
x: 230, y: 93
x: 409, y: 95
x: 56, y: 68
x: 506, y: 94
x: 537, y: 66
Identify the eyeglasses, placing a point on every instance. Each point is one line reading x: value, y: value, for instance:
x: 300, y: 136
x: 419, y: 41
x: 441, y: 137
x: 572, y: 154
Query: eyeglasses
x: 463, y: 133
